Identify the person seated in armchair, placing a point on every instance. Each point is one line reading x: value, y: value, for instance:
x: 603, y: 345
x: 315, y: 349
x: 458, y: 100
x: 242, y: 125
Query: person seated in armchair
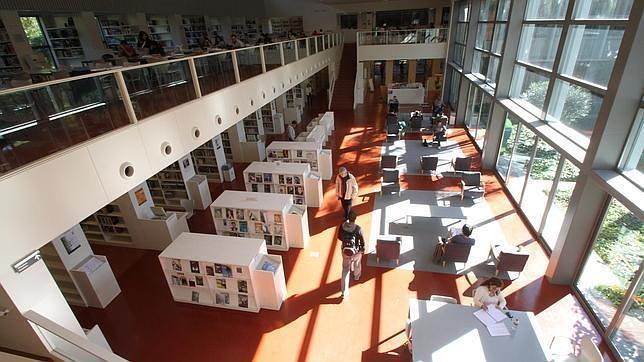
x: 455, y: 235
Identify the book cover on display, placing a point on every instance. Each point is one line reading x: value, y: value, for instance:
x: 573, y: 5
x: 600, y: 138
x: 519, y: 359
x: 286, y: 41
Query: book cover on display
x: 269, y: 239
x: 243, y: 301
x: 194, y: 267
x: 267, y: 188
x: 240, y: 214
x: 210, y: 270
x: 221, y: 283
x: 277, y: 218
x: 176, y: 265
x: 199, y: 280
x: 254, y: 188
x: 268, y: 178
x: 222, y: 298
x: 218, y: 213
x: 242, y: 286
x: 243, y: 226
x: 195, y: 296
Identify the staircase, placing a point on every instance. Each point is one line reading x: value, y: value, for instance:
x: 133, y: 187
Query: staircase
x: 345, y: 83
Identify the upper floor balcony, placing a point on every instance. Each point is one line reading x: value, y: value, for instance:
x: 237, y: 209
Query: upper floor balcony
x: 38, y: 120
x: 402, y: 44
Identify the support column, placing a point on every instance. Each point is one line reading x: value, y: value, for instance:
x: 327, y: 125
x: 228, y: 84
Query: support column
x: 17, y: 36
x: 89, y: 35
x: 389, y: 72
x: 411, y: 71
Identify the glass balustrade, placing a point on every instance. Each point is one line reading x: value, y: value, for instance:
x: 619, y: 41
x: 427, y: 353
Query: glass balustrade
x: 41, y: 120
x: 215, y: 72
x: 272, y: 58
x: 289, y: 51
x: 417, y: 36
x: 312, y: 49
x: 301, y: 49
x: 319, y: 43
x: 37, y: 120
x: 156, y: 88
x: 249, y: 62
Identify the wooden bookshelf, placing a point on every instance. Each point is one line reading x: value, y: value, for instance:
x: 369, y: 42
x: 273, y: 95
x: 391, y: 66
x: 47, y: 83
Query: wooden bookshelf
x: 64, y: 39
x: 168, y: 187
x: 228, y: 151
x: 302, y: 152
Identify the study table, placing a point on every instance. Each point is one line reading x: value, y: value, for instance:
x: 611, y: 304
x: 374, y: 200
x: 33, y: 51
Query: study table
x: 450, y: 332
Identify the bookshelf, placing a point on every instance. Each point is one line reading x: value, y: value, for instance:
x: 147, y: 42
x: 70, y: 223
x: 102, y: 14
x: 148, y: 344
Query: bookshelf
x: 228, y: 151
x: 285, y: 178
x: 224, y: 272
x: 9, y: 62
x: 205, y: 161
x: 260, y: 215
x: 253, y: 126
x: 178, y: 182
x: 107, y: 225
x: 64, y: 39
x: 115, y: 28
x: 282, y: 25
x: 302, y: 152
x: 61, y: 275
x: 273, y: 122
x: 159, y: 30
x: 214, y: 28
x: 194, y: 27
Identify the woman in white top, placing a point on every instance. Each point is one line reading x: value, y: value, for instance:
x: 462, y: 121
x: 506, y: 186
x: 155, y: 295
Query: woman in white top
x: 489, y: 293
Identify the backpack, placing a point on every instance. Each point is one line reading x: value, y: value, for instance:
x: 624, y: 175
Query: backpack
x: 349, y: 241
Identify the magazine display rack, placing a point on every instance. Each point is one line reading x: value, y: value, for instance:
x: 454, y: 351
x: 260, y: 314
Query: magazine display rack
x: 223, y: 271
x: 262, y: 216
x: 302, y: 152
x: 285, y: 178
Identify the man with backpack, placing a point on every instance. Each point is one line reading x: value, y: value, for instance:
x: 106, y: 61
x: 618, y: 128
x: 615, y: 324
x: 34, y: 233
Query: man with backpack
x: 352, y: 247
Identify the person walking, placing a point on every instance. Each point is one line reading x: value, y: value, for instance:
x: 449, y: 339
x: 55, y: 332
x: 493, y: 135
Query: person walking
x: 352, y: 247
x: 346, y: 189
x: 291, y: 131
x: 309, y: 94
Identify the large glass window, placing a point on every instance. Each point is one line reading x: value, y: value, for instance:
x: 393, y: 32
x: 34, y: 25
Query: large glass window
x: 460, y: 38
x: 546, y: 9
x: 538, y: 45
x: 38, y: 41
x: 508, y: 139
x: 576, y: 108
x: 561, y: 198
x: 529, y: 89
x: 611, y: 265
x: 520, y: 161
x: 540, y: 181
x: 628, y: 337
x: 602, y: 9
x: 632, y: 163
x: 490, y: 37
x: 590, y: 52
x: 453, y: 81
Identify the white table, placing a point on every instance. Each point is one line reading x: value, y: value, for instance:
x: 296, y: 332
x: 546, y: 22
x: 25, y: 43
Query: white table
x: 450, y: 332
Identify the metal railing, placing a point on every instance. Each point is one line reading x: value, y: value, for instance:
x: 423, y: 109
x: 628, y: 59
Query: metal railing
x: 412, y: 36
x: 40, y: 119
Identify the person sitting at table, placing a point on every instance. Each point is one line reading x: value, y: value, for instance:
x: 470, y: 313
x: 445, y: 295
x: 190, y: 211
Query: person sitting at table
x: 204, y: 42
x: 439, y: 133
x: 219, y: 42
x: 235, y: 43
x: 490, y: 293
x: 125, y: 50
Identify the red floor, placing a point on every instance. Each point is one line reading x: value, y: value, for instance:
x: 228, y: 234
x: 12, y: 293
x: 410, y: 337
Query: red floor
x: 144, y: 324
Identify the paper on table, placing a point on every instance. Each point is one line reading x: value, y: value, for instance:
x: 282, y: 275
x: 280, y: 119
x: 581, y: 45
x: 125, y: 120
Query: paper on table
x: 498, y: 329
x: 495, y: 313
x: 484, y: 317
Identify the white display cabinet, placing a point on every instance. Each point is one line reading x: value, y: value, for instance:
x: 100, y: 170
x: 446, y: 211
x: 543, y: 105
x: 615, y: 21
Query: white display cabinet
x: 259, y: 215
x: 285, y: 178
x: 84, y: 279
x: 224, y: 271
x: 209, y: 158
x: 302, y: 152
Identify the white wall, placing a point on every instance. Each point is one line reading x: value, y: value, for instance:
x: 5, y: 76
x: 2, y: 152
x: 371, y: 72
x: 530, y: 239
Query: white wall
x: 402, y: 51
x: 317, y: 15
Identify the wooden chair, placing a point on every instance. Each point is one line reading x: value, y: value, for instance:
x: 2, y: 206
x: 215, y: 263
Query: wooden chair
x: 511, y: 262
x: 462, y: 163
x: 388, y: 247
x: 390, y: 182
x: 428, y: 164
x: 455, y: 253
x: 472, y: 185
x: 388, y: 161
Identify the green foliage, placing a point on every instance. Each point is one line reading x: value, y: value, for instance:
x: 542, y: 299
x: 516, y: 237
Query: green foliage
x: 620, y: 242
x: 32, y: 30
x: 576, y: 108
x: 615, y: 294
